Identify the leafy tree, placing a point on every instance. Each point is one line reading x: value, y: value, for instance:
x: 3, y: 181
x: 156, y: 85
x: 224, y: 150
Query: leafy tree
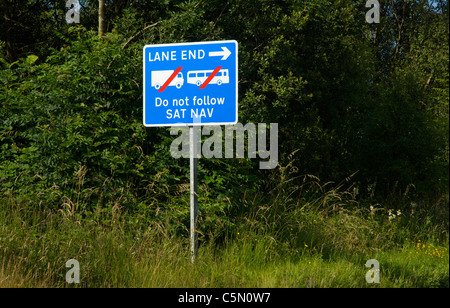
x: 348, y: 96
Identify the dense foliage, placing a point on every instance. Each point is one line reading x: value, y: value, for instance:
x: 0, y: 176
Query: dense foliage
x: 351, y: 98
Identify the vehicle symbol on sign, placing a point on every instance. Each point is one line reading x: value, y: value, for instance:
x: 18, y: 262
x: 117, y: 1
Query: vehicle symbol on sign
x: 159, y: 78
x: 199, y: 77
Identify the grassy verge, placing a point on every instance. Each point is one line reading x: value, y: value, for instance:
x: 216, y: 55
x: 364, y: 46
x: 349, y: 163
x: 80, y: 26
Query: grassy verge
x: 323, y: 242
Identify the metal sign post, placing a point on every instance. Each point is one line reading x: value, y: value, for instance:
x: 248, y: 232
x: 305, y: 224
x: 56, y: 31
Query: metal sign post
x: 193, y: 150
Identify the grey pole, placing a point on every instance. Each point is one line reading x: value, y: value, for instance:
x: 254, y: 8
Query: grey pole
x: 193, y: 190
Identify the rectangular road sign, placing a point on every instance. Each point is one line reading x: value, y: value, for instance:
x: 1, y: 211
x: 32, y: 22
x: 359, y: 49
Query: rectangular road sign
x: 191, y: 84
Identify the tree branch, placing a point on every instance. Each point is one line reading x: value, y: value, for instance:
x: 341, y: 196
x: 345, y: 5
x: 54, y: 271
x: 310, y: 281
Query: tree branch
x: 137, y: 34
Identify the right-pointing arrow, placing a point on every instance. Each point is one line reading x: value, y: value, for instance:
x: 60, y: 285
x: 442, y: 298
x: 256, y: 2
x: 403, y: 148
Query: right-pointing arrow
x: 225, y: 53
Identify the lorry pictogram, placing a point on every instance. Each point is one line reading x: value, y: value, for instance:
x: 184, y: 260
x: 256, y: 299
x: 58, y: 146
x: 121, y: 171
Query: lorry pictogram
x: 159, y: 78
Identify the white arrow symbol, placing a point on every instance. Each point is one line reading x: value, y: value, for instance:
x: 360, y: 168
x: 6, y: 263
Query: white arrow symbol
x: 225, y: 53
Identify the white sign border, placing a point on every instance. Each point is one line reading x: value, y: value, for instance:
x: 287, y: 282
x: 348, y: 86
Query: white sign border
x: 187, y: 44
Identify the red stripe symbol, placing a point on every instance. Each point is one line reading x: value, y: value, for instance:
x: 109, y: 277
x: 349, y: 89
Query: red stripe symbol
x: 208, y: 80
x: 166, y: 84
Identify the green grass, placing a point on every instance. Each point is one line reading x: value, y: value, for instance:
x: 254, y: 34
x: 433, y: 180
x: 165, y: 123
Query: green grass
x: 285, y: 245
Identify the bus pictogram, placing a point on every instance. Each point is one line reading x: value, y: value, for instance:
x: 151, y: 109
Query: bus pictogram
x: 199, y: 77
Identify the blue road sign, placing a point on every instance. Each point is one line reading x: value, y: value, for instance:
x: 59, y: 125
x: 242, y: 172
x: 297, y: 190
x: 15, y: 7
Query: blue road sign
x: 191, y: 84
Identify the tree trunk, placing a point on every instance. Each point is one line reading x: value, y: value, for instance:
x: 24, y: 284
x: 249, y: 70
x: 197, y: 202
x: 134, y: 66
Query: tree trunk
x: 101, y: 18
x: 8, y: 17
x: 118, y: 5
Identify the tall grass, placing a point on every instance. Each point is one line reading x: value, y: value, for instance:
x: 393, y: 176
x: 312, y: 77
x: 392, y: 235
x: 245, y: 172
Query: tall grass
x: 305, y: 235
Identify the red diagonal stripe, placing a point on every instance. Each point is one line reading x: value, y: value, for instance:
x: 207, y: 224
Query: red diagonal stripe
x: 208, y: 80
x: 166, y: 84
